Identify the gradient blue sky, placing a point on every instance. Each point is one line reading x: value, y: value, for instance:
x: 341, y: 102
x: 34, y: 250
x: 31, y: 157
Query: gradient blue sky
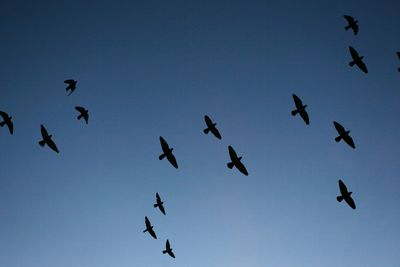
x: 152, y: 68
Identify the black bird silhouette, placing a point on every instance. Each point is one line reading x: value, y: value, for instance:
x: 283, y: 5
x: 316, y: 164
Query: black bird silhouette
x: 167, y: 152
x: 71, y: 85
x: 235, y: 161
x: 301, y: 109
x: 398, y: 55
x: 47, y: 139
x: 211, y: 127
x: 84, y: 113
x: 159, y: 204
x: 346, y: 195
x: 7, y: 121
x: 149, y: 228
x: 168, y: 249
x: 357, y: 60
x: 343, y: 134
x: 352, y: 24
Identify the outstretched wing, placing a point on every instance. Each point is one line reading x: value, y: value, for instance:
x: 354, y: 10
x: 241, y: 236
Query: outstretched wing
x: 171, y: 158
x: 164, y: 144
x: 158, y: 198
x: 10, y: 126
x: 297, y: 101
x: 171, y: 253
x: 240, y: 166
x: 349, y: 19
x: 304, y: 115
x: 208, y: 121
x: 339, y: 128
x: 161, y: 207
x: 343, y: 188
x: 349, y: 141
x: 3, y: 114
x: 215, y: 132
x: 80, y: 109
x: 355, y: 29
x: 353, y: 52
x: 43, y: 131
x: 167, y: 245
x: 232, y: 153
x: 152, y: 233
x: 52, y: 145
x: 147, y: 222
x: 69, y: 81
x: 349, y: 200
x: 362, y: 66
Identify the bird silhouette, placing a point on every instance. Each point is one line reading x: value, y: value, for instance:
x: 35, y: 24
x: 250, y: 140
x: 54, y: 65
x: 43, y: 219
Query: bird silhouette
x: 343, y: 134
x: 71, y: 85
x: 301, y: 109
x: 149, y: 228
x: 346, y: 195
x: 236, y: 161
x: 211, y: 127
x: 398, y: 55
x: 167, y: 152
x: 168, y: 249
x: 46, y: 139
x: 352, y: 24
x: 159, y: 204
x: 357, y: 60
x: 84, y: 113
x: 7, y: 121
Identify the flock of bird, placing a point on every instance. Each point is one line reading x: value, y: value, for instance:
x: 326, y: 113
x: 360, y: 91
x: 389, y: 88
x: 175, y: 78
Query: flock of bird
x: 300, y: 109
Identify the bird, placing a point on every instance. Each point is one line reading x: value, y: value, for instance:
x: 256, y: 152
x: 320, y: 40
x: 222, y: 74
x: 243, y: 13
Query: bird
x: 398, y: 55
x: 357, y: 60
x: 159, y: 204
x: 235, y: 161
x: 167, y: 152
x: 84, y: 113
x: 46, y: 139
x: 71, y: 85
x: 352, y: 24
x: 168, y: 249
x: 346, y: 195
x: 149, y: 228
x: 211, y: 127
x: 7, y: 121
x: 343, y: 134
x: 301, y: 109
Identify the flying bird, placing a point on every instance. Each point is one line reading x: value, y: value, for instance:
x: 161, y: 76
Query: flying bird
x: 149, y: 228
x: 84, y: 113
x: 352, y: 24
x: 346, y: 195
x: 168, y: 249
x: 357, y: 60
x: 159, y: 204
x: 167, y: 152
x: 211, y: 127
x: 46, y: 139
x: 71, y: 85
x: 235, y: 161
x: 7, y: 121
x: 343, y: 134
x: 301, y: 109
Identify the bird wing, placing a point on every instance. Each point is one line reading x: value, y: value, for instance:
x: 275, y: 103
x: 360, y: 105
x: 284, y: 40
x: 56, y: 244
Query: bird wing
x: 339, y: 128
x: 152, y: 233
x: 171, y: 254
x: 398, y: 54
x: 164, y: 144
x: 3, y: 114
x: 349, y: 141
x: 353, y: 52
x: 297, y: 101
x: 343, y: 188
x: 240, y: 166
x: 161, y: 207
x: 69, y: 81
x: 167, y: 245
x: 52, y: 145
x: 355, y: 29
x: 362, y: 66
x: 232, y: 153
x: 43, y: 131
x: 208, y: 121
x: 171, y: 158
x: 349, y: 18
x: 215, y: 132
x: 10, y: 126
x: 158, y: 198
x: 80, y: 109
x: 147, y: 222
x: 349, y: 200
x: 304, y: 115
x: 86, y: 117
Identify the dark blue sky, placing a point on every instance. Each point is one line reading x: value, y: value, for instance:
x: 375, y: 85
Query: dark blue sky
x: 152, y: 68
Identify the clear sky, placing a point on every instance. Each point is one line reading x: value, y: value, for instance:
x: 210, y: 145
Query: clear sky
x: 152, y: 68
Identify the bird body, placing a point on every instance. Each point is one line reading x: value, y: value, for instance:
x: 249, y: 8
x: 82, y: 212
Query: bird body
x: 211, y: 127
x: 159, y: 204
x: 71, y: 85
x: 7, y: 120
x: 300, y: 109
x: 352, y: 24
x: 343, y: 134
x: 149, y: 228
x: 168, y: 249
x: 357, y: 60
x: 84, y: 113
x: 46, y: 139
x: 346, y: 195
x: 167, y: 152
x: 236, y: 161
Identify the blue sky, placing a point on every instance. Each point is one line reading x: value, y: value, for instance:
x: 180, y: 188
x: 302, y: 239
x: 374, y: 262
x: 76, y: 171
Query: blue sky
x: 152, y: 68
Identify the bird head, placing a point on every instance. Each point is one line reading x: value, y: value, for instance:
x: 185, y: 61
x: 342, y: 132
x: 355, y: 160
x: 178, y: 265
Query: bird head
x: 304, y: 106
x: 361, y: 57
x: 214, y: 124
x: 347, y: 132
x: 239, y: 158
x: 350, y: 193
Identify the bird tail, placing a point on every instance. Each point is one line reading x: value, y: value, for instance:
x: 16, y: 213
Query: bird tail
x: 164, y: 251
x: 337, y: 139
x: 206, y: 130
x: 347, y: 27
x: 3, y: 123
x: 161, y: 156
x: 352, y: 63
x: 294, y: 112
x: 339, y: 198
x: 155, y: 205
x: 41, y: 143
x: 80, y: 117
x: 230, y: 165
